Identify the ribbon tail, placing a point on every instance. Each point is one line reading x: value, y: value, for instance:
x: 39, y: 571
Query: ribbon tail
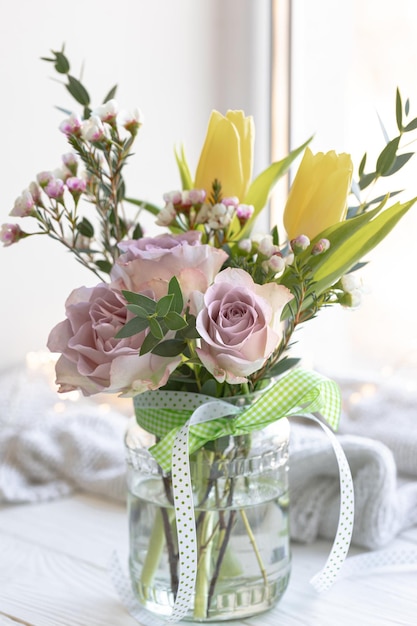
x: 325, y: 578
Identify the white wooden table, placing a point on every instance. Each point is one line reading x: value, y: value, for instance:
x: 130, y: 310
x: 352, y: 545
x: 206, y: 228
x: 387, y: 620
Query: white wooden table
x: 54, y: 572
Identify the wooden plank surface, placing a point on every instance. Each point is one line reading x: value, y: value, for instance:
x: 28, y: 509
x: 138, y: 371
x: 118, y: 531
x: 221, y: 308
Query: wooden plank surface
x: 54, y: 572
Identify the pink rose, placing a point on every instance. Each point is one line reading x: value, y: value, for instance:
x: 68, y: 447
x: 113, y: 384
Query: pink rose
x: 239, y: 324
x: 149, y: 263
x: 92, y: 360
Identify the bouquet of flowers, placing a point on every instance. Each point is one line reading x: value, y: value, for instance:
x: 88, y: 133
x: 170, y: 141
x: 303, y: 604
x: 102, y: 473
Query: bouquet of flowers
x: 209, y: 307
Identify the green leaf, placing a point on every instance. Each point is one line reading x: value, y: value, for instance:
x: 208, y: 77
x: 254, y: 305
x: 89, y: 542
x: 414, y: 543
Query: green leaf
x: 155, y: 328
x: 399, y: 110
x: 350, y: 241
x: 104, y: 266
x: 148, y: 344
x: 209, y: 388
x: 137, y: 310
x: 174, y: 289
x: 147, y: 303
x: 399, y: 162
x: 132, y: 327
x: 387, y: 157
x: 170, y: 347
x: 275, y: 236
x: 411, y: 125
x: 362, y: 165
x: 62, y: 65
x: 185, y: 174
x: 85, y: 228
x: 190, y: 331
x: 147, y: 206
x: 261, y: 188
x: 282, y: 366
x: 137, y: 232
x: 111, y: 94
x: 130, y: 296
x: 174, y: 321
x: 163, y: 306
x: 78, y: 91
x: 366, y: 180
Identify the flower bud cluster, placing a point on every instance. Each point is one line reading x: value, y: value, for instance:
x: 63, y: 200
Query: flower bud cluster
x: 302, y: 242
x: 191, y: 208
x: 262, y: 252
x: 50, y: 185
x: 100, y: 144
x: 97, y: 128
x: 353, y: 288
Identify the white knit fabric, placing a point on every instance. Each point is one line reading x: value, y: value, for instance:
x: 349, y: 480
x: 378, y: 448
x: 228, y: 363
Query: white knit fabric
x: 48, y: 451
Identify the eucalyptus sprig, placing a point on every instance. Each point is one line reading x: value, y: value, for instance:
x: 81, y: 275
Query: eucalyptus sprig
x: 160, y: 318
x: 389, y: 161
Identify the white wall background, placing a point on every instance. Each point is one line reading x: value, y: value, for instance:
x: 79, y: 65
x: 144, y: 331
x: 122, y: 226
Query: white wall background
x: 349, y: 57
x: 175, y: 59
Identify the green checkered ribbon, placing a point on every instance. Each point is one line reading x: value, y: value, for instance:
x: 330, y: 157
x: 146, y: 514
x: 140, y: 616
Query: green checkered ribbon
x: 299, y: 392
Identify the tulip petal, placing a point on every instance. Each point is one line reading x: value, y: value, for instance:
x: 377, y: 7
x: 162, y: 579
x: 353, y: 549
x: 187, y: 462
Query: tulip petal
x: 318, y: 195
x: 220, y: 158
x: 246, y: 130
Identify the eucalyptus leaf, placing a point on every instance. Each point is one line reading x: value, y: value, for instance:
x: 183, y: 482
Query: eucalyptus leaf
x: 169, y: 348
x: 85, y: 228
x: 148, y: 344
x: 175, y: 321
x: 138, y: 310
x: 387, y: 157
x: 78, y: 91
x: 155, y: 328
x: 399, y: 110
x: 174, y: 289
x: 163, y: 306
x: 111, y: 94
x: 399, y: 162
x: 362, y: 165
x: 132, y: 327
x: 104, y: 266
x: 366, y: 180
x: 209, y: 388
x: 282, y: 366
x: 61, y: 63
x: 146, y: 303
x: 137, y: 232
x: 411, y: 125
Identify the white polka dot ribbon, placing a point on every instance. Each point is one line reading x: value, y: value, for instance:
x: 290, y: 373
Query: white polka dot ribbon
x: 184, y: 510
x: 324, y: 579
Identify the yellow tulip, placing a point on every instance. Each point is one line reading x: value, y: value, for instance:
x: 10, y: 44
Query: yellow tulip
x: 318, y: 195
x: 227, y: 154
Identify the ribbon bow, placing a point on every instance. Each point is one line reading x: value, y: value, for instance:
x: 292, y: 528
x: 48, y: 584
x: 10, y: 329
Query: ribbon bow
x: 299, y: 392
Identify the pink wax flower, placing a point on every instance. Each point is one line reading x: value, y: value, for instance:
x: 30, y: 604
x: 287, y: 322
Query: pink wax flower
x: 10, y: 233
x: 23, y: 205
x: 55, y: 189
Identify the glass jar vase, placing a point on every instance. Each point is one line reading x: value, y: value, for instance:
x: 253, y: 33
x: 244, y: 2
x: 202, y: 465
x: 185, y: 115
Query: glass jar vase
x: 240, y: 492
